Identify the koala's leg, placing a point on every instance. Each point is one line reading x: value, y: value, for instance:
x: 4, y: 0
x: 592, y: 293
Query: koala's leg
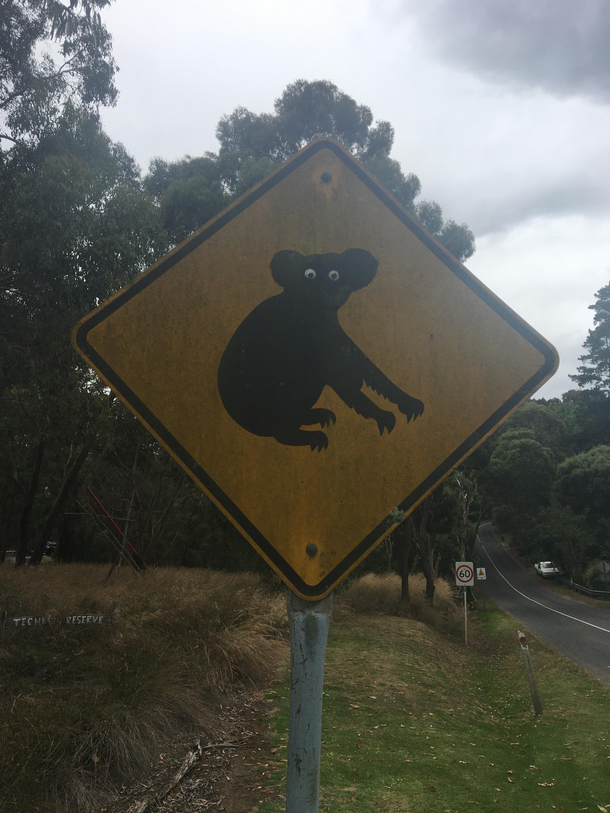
x: 376, y: 380
x: 299, y: 437
x: 318, y: 415
x: 357, y: 400
x: 355, y: 367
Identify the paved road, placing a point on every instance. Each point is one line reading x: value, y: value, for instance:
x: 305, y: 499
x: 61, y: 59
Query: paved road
x: 577, y: 630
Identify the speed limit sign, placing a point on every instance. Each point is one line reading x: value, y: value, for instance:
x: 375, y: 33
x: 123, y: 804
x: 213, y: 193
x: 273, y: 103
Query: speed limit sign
x: 464, y: 574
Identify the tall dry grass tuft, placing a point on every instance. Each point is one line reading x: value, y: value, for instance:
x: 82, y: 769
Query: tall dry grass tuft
x: 374, y: 593
x: 83, y: 711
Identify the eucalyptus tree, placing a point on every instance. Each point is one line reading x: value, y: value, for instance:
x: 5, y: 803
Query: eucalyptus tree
x: 51, y: 51
x: 74, y: 226
x: 191, y: 190
x: 595, y: 370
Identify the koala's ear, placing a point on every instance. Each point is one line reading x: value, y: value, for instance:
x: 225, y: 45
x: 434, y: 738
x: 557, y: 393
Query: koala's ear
x: 361, y: 265
x: 285, y: 265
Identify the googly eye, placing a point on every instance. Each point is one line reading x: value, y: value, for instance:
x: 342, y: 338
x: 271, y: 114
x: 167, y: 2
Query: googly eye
x: 310, y: 273
x: 334, y: 275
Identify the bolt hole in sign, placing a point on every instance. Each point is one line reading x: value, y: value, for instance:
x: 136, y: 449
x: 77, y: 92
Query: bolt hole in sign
x: 464, y: 574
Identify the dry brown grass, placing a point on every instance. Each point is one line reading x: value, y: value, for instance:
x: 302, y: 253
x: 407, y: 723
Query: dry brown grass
x: 84, y: 710
x: 381, y: 594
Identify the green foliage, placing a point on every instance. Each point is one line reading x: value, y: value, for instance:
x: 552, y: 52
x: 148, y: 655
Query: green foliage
x: 586, y: 416
x: 405, y: 188
x: 51, y: 52
x: 518, y: 481
x: 458, y: 240
x: 192, y: 190
x: 304, y: 111
x: 568, y: 521
x: 565, y: 517
x: 595, y: 372
x: 546, y: 426
x: 564, y: 537
x: 74, y: 226
x: 583, y: 483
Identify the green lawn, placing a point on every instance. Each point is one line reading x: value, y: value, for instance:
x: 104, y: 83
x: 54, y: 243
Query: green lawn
x: 414, y: 722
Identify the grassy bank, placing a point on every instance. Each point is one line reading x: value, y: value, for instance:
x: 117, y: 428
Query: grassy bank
x: 414, y: 721
x: 83, y: 711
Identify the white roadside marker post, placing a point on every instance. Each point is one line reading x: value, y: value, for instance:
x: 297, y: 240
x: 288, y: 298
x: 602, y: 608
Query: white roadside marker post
x: 530, y: 674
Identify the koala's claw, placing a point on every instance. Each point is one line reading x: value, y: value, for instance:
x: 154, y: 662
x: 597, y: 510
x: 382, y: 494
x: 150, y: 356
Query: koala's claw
x: 318, y: 441
x: 326, y: 417
x: 386, y: 421
x: 411, y: 407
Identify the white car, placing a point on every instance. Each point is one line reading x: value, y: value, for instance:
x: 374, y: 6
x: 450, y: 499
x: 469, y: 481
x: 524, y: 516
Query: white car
x: 546, y: 569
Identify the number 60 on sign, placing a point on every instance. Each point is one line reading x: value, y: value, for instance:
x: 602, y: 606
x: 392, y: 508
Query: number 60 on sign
x: 464, y: 574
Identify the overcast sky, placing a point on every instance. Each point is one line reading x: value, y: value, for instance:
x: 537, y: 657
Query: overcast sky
x: 501, y: 108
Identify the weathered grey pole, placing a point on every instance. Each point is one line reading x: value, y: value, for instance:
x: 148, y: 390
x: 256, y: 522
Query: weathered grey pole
x: 309, y: 624
x: 529, y: 668
x: 466, y: 615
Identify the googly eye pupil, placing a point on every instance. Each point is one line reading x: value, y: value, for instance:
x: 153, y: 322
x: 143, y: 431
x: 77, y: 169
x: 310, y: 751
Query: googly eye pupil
x: 310, y: 273
x: 334, y: 275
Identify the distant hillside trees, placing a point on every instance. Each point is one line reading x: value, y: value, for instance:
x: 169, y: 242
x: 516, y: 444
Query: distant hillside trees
x: 550, y: 492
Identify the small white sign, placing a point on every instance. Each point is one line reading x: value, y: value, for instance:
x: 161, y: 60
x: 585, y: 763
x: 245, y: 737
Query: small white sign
x: 464, y: 574
x: 481, y: 575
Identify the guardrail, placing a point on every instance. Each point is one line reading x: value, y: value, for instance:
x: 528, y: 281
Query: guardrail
x: 587, y: 591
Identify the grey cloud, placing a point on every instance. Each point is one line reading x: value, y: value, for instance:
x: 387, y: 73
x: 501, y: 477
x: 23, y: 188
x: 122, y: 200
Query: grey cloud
x: 497, y: 215
x: 562, y: 46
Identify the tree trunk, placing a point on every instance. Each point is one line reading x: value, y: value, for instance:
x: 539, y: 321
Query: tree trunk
x: 157, y: 532
x: 58, y: 504
x: 5, y: 513
x: 404, y: 544
x: 423, y: 543
x: 476, y: 533
x: 24, y: 529
x: 65, y: 539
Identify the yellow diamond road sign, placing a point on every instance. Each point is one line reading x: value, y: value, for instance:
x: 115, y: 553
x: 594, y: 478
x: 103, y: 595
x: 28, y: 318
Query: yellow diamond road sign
x: 314, y: 359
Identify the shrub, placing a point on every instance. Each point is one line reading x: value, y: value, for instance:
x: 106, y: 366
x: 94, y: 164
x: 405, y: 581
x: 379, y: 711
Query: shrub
x: 105, y: 700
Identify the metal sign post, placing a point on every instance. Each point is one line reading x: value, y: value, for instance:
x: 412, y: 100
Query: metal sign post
x: 465, y: 616
x: 309, y: 624
x: 464, y: 578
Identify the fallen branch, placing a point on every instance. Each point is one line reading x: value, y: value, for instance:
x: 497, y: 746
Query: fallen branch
x: 190, y: 759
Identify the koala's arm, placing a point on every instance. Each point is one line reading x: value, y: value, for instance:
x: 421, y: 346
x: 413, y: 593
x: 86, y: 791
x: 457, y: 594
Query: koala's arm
x: 360, y: 369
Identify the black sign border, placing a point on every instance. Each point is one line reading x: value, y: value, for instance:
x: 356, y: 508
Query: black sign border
x: 180, y: 453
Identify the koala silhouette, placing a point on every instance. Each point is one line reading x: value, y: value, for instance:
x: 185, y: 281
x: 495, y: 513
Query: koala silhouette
x: 291, y: 346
